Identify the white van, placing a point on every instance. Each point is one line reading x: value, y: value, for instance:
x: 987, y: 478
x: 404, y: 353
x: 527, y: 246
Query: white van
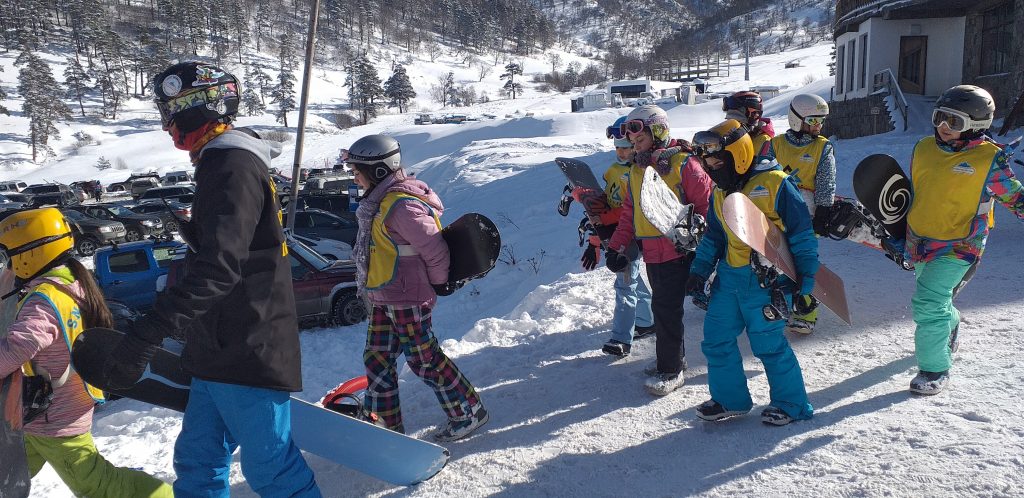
x: 176, y: 177
x: 12, y: 186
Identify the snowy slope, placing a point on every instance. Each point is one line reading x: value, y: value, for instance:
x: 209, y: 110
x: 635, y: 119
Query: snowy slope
x: 567, y: 420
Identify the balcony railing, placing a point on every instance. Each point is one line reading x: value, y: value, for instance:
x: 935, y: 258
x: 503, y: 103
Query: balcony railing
x: 852, y: 10
x: 885, y: 80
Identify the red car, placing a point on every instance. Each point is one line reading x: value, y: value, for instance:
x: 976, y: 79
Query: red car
x: 325, y: 290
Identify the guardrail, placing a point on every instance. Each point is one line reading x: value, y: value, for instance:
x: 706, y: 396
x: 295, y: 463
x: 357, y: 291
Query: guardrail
x: 885, y: 79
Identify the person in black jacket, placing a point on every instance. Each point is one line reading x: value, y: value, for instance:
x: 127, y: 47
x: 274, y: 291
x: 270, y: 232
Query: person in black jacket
x: 235, y: 301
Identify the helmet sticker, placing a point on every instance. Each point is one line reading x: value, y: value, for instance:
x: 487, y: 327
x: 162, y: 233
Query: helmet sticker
x: 207, y: 75
x: 171, y: 85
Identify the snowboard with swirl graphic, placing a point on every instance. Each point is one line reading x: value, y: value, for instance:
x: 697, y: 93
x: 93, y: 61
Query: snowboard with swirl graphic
x: 885, y: 191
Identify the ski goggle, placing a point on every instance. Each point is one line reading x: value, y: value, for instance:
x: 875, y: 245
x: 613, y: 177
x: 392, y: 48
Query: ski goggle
x: 814, y: 120
x: 954, y: 119
x: 751, y: 104
x: 614, y: 132
x: 209, y: 97
x: 634, y: 126
x: 707, y: 144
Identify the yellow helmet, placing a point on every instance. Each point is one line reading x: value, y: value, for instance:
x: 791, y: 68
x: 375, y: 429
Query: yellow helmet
x: 730, y: 136
x: 34, y: 239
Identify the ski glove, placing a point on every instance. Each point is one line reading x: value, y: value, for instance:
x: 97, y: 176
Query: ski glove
x: 695, y: 284
x: 615, y: 261
x: 127, y: 361
x: 822, y: 216
x: 447, y: 288
x: 590, y: 257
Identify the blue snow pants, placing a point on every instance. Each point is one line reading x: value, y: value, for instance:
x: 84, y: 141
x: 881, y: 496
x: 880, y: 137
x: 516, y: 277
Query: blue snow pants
x: 632, y: 303
x: 736, y: 303
x: 221, y: 417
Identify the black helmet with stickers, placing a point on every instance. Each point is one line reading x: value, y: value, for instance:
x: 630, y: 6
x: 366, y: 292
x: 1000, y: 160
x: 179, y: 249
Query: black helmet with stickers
x: 191, y: 94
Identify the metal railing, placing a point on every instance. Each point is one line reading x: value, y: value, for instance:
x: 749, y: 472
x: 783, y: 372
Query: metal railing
x: 885, y: 79
x: 848, y: 10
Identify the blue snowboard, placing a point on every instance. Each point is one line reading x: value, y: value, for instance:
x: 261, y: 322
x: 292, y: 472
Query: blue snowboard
x: 372, y: 450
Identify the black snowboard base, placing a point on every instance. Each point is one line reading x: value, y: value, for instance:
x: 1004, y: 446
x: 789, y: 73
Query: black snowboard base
x: 474, y: 245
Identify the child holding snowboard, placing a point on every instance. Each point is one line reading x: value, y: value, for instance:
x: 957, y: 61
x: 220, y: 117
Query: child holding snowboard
x: 956, y: 175
x: 738, y: 300
x: 647, y: 128
x: 62, y: 299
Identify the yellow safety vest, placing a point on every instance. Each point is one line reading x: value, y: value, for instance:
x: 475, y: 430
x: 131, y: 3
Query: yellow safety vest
x: 801, y: 162
x: 763, y: 190
x: 616, y: 181
x: 948, y: 187
x: 642, y: 228
x: 383, y: 250
x: 759, y: 140
x: 71, y: 325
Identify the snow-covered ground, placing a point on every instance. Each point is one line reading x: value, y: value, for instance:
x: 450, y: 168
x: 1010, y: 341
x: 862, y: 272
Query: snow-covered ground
x: 567, y: 420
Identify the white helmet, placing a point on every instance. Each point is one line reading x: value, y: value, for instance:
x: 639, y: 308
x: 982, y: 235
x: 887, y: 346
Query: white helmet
x: 804, y: 106
x: 654, y: 119
x: 377, y: 156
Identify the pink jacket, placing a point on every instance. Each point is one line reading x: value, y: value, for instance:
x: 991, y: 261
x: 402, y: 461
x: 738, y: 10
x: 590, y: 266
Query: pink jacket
x: 36, y: 335
x: 410, y: 223
x: 696, y: 188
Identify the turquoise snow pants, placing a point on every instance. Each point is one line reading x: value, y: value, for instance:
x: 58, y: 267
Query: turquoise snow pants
x: 736, y: 302
x: 934, y: 312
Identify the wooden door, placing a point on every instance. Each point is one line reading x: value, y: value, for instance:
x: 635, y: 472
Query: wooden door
x: 913, y: 53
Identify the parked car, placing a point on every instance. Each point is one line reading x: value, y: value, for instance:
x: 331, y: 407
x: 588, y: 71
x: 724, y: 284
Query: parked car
x: 90, y: 188
x: 60, y: 198
x: 319, y: 223
x: 46, y: 188
x: 92, y: 233
x: 137, y: 226
x: 176, y: 178
x: 328, y: 248
x: 170, y: 213
x: 11, y: 186
x: 334, y: 203
x: 325, y: 290
x: 7, y: 204
x: 129, y: 272
x: 179, y: 193
x: 18, y: 197
x: 143, y: 185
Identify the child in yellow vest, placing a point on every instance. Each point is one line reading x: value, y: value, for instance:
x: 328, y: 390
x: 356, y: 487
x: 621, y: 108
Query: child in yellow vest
x: 62, y: 299
x: 807, y: 156
x: 956, y: 175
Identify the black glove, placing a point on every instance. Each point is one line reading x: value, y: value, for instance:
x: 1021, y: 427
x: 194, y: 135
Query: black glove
x: 128, y: 360
x: 822, y: 216
x: 590, y: 257
x: 615, y: 261
x: 447, y: 288
x: 695, y: 284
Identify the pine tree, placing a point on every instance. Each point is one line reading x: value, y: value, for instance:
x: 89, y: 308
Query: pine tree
x: 364, y: 87
x: 3, y: 97
x: 43, y: 105
x: 449, y: 92
x: 76, y: 80
x: 261, y: 80
x: 399, y: 89
x: 252, y: 103
x: 102, y: 164
x: 284, y: 92
x: 512, y: 87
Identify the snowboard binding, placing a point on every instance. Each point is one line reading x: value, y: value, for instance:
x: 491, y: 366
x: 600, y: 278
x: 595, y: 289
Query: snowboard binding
x: 688, y: 231
x: 347, y: 399
x: 768, y: 278
x: 565, y: 201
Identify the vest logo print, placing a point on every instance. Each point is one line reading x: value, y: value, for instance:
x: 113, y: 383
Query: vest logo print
x: 963, y: 169
x: 806, y: 158
x: 759, y: 191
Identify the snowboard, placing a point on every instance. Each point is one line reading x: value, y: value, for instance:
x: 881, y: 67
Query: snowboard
x: 372, y: 450
x: 15, y: 480
x: 754, y: 229
x: 862, y: 228
x: 672, y: 218
x: 584, y: 187
x: 885, y: 191
x: 474, y: 245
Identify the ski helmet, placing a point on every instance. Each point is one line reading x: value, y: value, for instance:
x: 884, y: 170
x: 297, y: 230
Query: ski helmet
x: 376, y: 156
x: 806, y: 106
x: 964, y: 108
x: 648, y: 117
x: 729, y: 142
x: 746, y: 104
x: 34, y: 241
x: 615, y: 131
x: 191, y: 94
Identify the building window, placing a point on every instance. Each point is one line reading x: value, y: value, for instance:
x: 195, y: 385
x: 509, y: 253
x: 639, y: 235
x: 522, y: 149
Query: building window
x: 840, y: 65
x: 997, y: 39
x: 863, y: 61
x: 852, y: 70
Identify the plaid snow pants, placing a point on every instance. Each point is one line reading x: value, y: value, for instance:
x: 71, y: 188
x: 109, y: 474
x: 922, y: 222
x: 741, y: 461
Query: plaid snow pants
x: 395, y: 330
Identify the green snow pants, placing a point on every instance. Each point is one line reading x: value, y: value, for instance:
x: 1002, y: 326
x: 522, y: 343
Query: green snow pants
x: 934, y: 313
x: 86, y: 472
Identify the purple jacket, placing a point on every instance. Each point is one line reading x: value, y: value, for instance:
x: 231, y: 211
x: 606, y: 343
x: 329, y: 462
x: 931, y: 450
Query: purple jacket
x: 410, y: 223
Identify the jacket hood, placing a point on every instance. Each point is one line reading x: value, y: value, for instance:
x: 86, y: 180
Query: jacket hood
x: 419, y: 189
x: 241, y: 138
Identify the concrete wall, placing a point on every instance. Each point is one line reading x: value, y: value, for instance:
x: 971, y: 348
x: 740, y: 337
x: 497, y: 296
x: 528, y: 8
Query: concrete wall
x: 943, y: 67
x: 852, y: 118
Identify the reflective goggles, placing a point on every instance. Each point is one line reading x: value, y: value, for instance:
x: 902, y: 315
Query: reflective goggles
x: 707, y: 143
x: 206, y: 97
x: 954, y: 119
x: 632, y: 126
x: 751, y: 104
x: 614, y: 132
x: 814, y: 120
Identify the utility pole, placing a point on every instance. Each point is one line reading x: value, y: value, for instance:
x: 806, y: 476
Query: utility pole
x: 307, y: 74
x: 746, y: 47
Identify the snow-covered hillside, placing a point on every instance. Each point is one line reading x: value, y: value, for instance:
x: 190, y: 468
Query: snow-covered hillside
x: 567, y: 420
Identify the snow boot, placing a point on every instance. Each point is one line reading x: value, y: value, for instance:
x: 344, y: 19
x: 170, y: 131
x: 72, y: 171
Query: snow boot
x: 616, y: 348
x: 774, y: 415
x: 641, y: 332
x: 652, y: 368
x: 664, y: 383
x: 929, y: 383
x: 799, y: 326
x: 461, y: 427
x: 712, y: 410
